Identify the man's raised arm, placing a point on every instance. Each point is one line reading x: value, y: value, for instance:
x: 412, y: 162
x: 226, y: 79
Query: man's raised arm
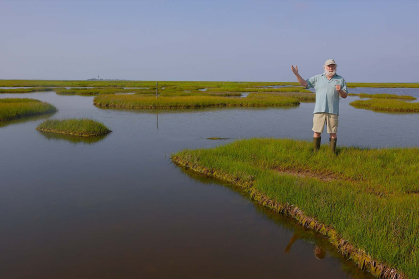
x: 299, y: 78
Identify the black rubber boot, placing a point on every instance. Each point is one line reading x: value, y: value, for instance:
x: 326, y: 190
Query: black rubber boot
x: 333, y: 144
x: 316, y: 143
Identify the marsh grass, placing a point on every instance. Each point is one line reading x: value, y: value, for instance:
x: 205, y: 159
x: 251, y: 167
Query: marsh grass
x: 200, y: 93
x: 11, y: 108
x: 74, y: 127
x: 150, y: 102
x: 368, y: 196
x: 388, y: 105
x: 24, y: 90
x: 383, y: 96
x: 98, y: 91
x: 302, y: 97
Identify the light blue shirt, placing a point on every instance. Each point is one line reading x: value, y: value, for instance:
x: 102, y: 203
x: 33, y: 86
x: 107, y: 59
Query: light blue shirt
x: 327, y: 97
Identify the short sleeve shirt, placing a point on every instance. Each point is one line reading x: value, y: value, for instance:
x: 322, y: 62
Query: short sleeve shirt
x: 327, y: 98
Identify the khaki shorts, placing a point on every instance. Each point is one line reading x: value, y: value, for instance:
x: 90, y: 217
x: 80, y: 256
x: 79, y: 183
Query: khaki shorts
x: 331, y: 121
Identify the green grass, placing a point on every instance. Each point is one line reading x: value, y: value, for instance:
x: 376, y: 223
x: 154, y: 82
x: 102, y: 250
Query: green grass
x: 198, y: 93
x: 387, y: 105
x: 98, y: 91
x: 150, y: 102
x: 75, y: 127
x: 302, y: 97
x: 17, y: 108
x: 24, y: 90
x: 383, y: 96
x: 370, y: 197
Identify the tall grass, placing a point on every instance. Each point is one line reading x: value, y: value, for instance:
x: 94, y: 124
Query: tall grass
x: 150, y: 102
x: 302, y: 97
x: 75, y: 127
x: 386, y: 105
x: 368, y: 196
x: 18, y: 108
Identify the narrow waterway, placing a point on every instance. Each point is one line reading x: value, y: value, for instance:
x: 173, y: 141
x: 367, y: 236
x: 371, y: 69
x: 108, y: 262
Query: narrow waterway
x: 118, y: 208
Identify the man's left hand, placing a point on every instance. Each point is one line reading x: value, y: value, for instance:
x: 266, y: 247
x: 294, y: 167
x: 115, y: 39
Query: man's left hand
x: 337, y: 87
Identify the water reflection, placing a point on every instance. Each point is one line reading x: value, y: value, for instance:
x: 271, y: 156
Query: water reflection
x: 319, y: 252
x: 319, y: 244
x: 25, y: 119
x: 72, y: 139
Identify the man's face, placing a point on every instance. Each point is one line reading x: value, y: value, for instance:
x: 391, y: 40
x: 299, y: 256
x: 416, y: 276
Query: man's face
x: 330, y: 70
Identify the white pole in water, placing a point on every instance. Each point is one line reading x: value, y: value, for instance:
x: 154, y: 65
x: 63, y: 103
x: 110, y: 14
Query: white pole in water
x: 157, y: 84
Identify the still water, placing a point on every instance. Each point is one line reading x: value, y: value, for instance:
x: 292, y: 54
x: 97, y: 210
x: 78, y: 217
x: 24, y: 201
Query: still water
x: 118, y: 208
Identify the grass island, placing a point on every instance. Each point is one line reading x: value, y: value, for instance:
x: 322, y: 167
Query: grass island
x: 366, y: 201
x: 170, y: 102
x: 383, y: 96
x: 386, y: 105
x: 14, y: 108
x: 74, y: 127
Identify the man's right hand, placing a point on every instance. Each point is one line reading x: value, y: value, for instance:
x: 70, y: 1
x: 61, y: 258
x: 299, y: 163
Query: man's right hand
x: 301, y: 81
x: 294, y: 70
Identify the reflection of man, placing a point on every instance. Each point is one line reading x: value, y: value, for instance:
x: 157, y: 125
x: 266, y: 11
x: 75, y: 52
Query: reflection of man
x: 328, y: 86
x: 319, y: 252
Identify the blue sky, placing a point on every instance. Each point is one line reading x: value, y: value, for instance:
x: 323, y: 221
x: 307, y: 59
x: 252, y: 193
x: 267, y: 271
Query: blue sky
x: 255, y: 40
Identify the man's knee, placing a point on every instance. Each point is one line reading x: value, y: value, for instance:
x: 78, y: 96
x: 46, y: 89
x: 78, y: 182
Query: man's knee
x: 333, y: 135
x: 317, y: 135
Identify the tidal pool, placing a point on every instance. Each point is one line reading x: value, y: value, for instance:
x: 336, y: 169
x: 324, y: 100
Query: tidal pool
x: 118, y: 207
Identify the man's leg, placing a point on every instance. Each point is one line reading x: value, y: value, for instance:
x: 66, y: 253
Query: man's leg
x: 332, y: 128
x: 318, y: 125
x: 317, y: 139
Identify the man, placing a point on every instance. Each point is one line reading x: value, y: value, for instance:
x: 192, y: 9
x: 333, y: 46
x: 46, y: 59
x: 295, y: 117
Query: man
x: 328, y: 86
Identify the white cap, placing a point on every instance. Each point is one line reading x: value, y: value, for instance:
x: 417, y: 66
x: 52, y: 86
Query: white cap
x: 329, y: 62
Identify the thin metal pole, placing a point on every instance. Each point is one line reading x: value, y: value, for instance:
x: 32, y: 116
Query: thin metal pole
x: 157, y: 86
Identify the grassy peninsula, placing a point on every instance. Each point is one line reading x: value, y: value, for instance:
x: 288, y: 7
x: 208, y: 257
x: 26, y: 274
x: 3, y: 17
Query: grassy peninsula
x: 386, y: 105
x: 365, y: 200
x: 13, y: 108
x: 74, y: 127
x: 169, y: 102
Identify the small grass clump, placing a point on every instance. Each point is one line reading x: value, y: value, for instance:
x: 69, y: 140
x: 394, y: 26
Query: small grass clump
x: 384, y: 96
x: 14, y: 108
x: 167, y: 102
x: 388, y: 105
x: 365, y: 200
x: 74, y: 127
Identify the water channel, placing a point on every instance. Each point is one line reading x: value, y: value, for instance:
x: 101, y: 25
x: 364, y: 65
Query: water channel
x: 118, y: 208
